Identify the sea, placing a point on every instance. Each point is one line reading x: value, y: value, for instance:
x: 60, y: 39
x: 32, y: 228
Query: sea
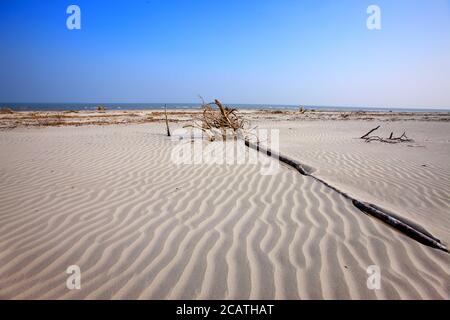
x: 158, y: 106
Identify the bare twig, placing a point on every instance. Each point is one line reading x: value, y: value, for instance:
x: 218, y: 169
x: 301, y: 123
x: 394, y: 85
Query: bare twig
x: 368, y: 138
x: 167, y: 121
x: 367, y: 134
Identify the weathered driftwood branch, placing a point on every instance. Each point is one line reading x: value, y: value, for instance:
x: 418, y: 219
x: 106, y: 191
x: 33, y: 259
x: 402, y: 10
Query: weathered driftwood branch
x: 415, y: 232
x: 391, y: 139
x: 219, y: 122
x: 367, y: 134
x: 411, y: 230
x: 167, y: 121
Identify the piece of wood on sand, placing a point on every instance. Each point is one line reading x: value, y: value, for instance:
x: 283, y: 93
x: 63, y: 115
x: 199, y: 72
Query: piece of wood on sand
x: 167, y: 121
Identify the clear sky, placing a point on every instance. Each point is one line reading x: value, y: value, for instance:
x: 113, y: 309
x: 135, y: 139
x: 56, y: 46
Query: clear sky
x: 315, y: 52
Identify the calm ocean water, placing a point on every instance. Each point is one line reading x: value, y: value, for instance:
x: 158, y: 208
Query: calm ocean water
x: 156, y: 106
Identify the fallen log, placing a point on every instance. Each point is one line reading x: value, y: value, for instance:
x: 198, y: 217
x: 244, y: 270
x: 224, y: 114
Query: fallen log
x: 409, y: 229
x: 414, y: 232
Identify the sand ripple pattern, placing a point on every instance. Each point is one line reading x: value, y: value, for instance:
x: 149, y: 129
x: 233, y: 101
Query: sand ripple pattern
x: 410, y: 179
x: 109, y: 200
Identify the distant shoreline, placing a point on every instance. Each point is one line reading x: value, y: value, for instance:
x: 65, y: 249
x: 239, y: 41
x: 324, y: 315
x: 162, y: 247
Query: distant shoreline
x: 184, y: 106
x: 14, y: 119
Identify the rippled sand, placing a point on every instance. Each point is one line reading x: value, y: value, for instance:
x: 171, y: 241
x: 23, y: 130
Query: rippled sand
x: 109, y: 200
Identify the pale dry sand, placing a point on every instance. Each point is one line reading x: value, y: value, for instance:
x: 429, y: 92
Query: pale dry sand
x: 109, y: 199
x: 411, y: 179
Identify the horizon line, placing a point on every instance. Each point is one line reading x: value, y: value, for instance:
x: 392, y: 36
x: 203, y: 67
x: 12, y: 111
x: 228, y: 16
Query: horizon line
x: 4, y: 104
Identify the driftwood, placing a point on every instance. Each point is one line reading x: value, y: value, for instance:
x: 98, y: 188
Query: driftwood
x: 402, y: 225
x: 167, y: 121
x: 415, y: 232
x: 367, y: 134
x: 368, y: 138
x: 220, y: 122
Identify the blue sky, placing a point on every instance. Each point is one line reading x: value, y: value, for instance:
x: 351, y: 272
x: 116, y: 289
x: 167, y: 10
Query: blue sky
x: 315, y: 52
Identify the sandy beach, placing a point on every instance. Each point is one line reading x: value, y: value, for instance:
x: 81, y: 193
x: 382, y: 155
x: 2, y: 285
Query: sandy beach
x: 100, y: 190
